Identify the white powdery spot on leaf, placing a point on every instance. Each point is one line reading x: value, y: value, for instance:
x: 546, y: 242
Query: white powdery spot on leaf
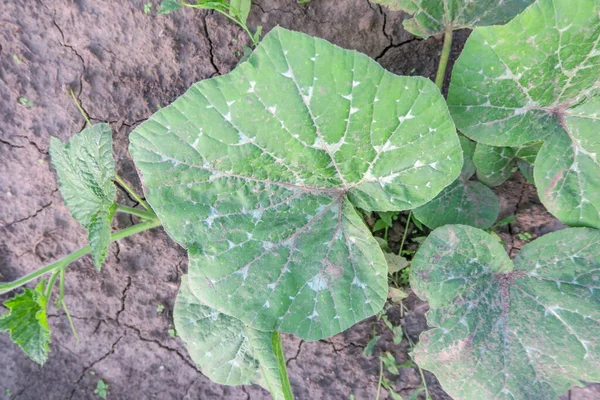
x: 317, y: 283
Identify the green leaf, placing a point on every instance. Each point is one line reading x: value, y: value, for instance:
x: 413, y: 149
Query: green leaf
x: 168, y: 6
x: 483, y: 308
x: 86, y: 169
x: 432, y: 17
x: 538, y: 78
x: 527, y: 170
x: 464, y: 201
x: 225, y: 349
x: 495, y: 164
x: 240, y: 8
x: 395, y: 262
x: 368, y: 351
x: 27, y: 323
x: 258, y: 173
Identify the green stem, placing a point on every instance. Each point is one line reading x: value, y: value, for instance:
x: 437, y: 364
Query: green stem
x: 405, y: 232
x: 51, y: 284
x: 283, y: 376
x: 68, y: 314
x: 135, y: 211
x: 441, y: 72
x: 132, y: 192
x: 132, y: 230
x: 81, y: 110
x: 380, y: 378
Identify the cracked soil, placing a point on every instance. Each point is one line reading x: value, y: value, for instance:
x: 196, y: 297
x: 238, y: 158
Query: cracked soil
x: 122, y: 66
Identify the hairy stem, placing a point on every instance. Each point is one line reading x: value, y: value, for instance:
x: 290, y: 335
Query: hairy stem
x: 441, y: 72
x: 135, y: 211
x: 283, y: 376
x: 132, y: 192
x: 132, y: 230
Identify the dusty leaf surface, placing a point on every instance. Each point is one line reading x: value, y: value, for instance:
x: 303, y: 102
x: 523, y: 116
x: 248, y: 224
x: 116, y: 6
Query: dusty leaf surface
x: 225, y: 349
x: 464, y: 201
x: 538, y: 78
x: 432, y: 17
x: 483, y: 307
x: 258, y: 174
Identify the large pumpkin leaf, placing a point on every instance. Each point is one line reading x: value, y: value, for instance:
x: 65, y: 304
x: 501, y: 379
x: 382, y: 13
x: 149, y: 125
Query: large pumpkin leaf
x: 464, y: 201
x: 483, y: 308
x: 86, y: 169
x: 432, y: 17
x: 27, y: 323
x: 258, y: 173
x: 495, y: 164
x: 225, y: 349
x: 538, y: 78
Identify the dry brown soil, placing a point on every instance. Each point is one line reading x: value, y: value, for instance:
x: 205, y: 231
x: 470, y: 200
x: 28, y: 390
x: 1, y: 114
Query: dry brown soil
x: 123, y: 65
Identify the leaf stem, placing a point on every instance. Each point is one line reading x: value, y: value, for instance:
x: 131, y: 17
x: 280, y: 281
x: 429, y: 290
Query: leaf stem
x: 81, y: 110
x: 405, y: 232
x: 51, y: 284
x: 283, y: 376
x: 135, y: 211
x: 132, y: 192
x: 7, y: 287
x: 441, y: 72
x: 380, y: 378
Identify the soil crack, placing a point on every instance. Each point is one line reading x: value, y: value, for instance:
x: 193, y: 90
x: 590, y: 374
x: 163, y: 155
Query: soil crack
x: 297, y: 354
x: 395, y: 46
x: 86, y: 369
x: 210, y: 46
x: 29, y: 216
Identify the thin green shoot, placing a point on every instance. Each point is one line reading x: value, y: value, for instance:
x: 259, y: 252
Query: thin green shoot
x: 51, y: 268
x: 441, y: 72
x: 133, y: 194
x: 81, y: 110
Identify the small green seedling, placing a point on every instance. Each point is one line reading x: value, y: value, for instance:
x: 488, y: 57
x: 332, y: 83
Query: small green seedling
x: 8, y: 393
x: 160, y: 308
x: 17, y: 59
x: 525, y: 236
x: 101, y: 389
x: 25, y: 101
x: 148, y: 7
x: 172, y: 333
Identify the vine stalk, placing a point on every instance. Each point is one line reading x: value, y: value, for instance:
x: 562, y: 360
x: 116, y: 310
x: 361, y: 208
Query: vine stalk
x: 441, y: 72
x: 283, y: 376
x: 63, y: 262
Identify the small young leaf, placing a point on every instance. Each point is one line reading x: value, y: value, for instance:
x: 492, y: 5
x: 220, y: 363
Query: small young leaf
x: 240, y: 8
x: 432, y: 17
x: 226, y: 350
x: 289, y: 251
x: 483, y: 308
x: 495, y: 164
x: 395, y: 262
x: 86, y: 169
x: 527, y: 170
x: 525, y: 82
x: 168, y: 6
x: 368, y: 351
x: 27, y: 323
x: 464, y: 201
